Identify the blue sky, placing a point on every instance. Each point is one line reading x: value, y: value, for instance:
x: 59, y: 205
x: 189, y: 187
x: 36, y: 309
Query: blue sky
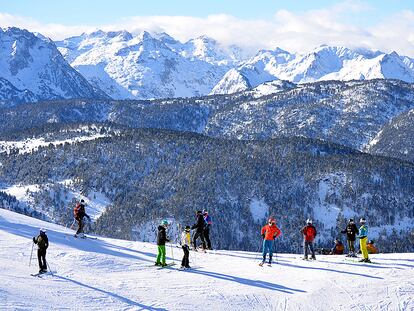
x: 292, y: 25
x: 93, y: 12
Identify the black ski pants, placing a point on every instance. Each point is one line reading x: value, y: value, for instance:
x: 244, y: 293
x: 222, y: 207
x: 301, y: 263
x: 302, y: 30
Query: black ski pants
x: 207, y: 237
x: 80, y: 225
x: 186, y: 261
x: 41, y: 257
x: 351, y: 247
x: 199, y: 234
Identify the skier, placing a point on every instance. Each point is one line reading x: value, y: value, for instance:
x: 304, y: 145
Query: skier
x: 79, y: 213
x: 185, y: 244
x: 338, y: 248
x: 309, y: 234
x: 363, y: 237
x: 372, y: 249
x: 351, y: 231
x: 208, y: 222
x: 199, y: 226
x: 42, y: 244
x: 161, y: 240
x: 269, y: 233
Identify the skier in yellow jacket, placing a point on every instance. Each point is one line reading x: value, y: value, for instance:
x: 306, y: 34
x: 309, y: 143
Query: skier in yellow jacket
x: 185, y: 244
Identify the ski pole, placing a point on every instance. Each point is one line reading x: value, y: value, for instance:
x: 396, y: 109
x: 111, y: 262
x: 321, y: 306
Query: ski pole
x: 172, y: 253
x: 258, y: 251
x: 31, y: 254
x: 274, y: 247
x: 73, y: 223
x: 50, y: 270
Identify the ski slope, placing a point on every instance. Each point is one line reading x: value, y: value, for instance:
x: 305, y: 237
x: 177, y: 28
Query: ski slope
x: 109, y: 274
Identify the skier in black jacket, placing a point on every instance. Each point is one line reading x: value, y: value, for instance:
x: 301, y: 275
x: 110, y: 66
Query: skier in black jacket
x: 42, y: 242
x: 199, y: 226
x: 351, y: 231
x: 80, y: 213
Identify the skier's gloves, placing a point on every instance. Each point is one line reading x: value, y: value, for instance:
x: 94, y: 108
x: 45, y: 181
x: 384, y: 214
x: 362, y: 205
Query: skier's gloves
x: 263, y: 236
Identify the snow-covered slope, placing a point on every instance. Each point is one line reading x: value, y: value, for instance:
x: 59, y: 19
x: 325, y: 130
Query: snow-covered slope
x: 323, y: 63
x: 146, y: 66
x: 108, y: 274
x: 31, y: 69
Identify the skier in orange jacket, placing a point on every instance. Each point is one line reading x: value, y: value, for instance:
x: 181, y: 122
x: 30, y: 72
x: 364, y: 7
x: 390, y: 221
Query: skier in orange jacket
x: 269, y: 233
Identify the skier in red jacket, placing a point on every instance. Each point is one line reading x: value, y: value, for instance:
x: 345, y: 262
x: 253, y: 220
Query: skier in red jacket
x: 309, y: 234
x: 269, y: 233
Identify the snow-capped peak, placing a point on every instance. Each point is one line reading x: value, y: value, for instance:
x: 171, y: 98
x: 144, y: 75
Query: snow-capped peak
x: 32, y: 62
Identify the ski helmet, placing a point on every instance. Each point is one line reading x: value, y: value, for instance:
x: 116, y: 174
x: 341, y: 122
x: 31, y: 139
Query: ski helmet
x: 351, y: 220
x: 272, y: 220
x: 205, y: 212
x: 198, y: 212
x: 82, y: 201
x: 187, y: 228
x: 371, y: 242
x: 164, y: 222
x: 42, y: 230
x: 308, y: 221
x: 362, y: 220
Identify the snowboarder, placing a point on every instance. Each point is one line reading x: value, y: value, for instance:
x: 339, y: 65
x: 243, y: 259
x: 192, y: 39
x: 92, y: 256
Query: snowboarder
x: 208, y: 222
x: 161, y: 240
x: 269, y: 233
x: 199, y: 226
x: 338, y: 248
x: 372, y: 249
x: 363, y: 237
x: 309, y: 234
x: 42, y: 242
x: 351, y: 230
x: 185, y: 244
x: 79, y: 213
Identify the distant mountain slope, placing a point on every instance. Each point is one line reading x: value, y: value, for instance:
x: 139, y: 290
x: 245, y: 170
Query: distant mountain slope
x: 396, y: 138
x: 323, y: 63
x: 32, y: 69
x: 348, y: 113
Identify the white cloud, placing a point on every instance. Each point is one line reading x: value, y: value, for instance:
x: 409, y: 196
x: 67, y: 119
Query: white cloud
x: 288, y: 30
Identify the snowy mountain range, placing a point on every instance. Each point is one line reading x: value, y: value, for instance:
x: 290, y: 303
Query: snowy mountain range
x: 32, y: 69
x: 323, y: 63
x: 146, y: 66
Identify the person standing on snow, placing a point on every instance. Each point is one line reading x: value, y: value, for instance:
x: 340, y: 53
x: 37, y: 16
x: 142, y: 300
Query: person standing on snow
x: 42, y: 242
x: 351, y: 230
x: 199, y: 226
x: 161, y: 240
x: 309, y: 234
x: 208, y: 222
x: 79, y: 213
x: 363, y: 237
x: 185, y: 244
x: 269, y: 233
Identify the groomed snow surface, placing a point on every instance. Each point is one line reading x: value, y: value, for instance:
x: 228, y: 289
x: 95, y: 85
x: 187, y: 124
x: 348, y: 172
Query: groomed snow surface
x: 109, y: 274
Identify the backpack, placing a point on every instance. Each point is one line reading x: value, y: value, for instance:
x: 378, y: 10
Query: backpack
x: 76, y: 210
